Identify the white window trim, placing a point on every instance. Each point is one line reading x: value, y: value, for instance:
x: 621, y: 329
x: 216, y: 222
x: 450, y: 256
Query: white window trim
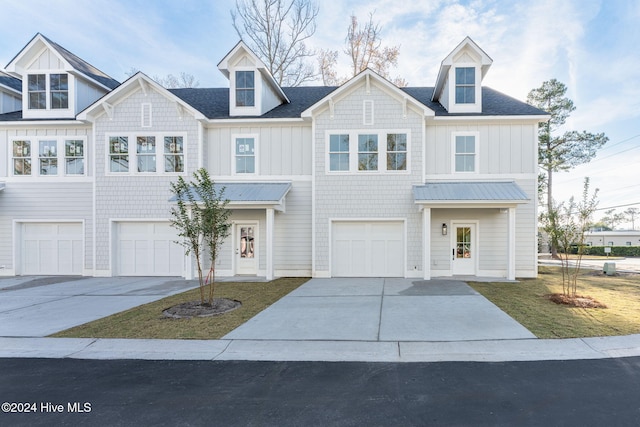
x: 35, y: 157
x: 133, y: 157
x: 235, y: 110
x: 476, y: 164
x: 256, y: 153
x: 48, y: 112
x: 353, y: 151
x: 455, y: 107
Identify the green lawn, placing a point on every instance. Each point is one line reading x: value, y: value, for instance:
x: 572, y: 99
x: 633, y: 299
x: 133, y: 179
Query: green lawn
x: 526, y: 303
x: 147, y: 321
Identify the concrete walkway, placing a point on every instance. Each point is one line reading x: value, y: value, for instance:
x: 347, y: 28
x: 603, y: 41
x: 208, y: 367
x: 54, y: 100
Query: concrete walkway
x: 382, y: 320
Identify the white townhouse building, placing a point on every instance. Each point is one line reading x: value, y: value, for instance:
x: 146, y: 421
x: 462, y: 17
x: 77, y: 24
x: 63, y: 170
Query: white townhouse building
x: 362, y: 180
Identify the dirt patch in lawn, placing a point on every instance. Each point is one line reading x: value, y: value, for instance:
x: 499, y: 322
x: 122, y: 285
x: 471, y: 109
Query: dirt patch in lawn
x: 190, y: 309
x: 577, y: 301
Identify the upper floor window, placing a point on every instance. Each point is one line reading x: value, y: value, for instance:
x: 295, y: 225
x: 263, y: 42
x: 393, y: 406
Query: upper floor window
x: 339, y: 152
x: 48, y: 158
x: 245, y: 155
x: 59, y: 91
x: 396, y: 152
x: 245, y: 89
x: 50, y: 154
x: 465, y: 85
x: 37, y: 87
x: 74, y: 157
x: 150, y: 154
x: 22, y: 157
x: 118, y: 154
x: 173, y: 154
x: 465, y: 153
x: 146, y: 153
x: 370, y: 154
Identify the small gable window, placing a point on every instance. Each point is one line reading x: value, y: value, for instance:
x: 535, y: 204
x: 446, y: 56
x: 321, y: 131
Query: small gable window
x: 245, y: 89
x: 59, y: 91
x: 37, y: 91
x: 465, y: 85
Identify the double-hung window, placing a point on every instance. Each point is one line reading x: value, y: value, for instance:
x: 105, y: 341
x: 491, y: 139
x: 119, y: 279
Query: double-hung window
x: 465, y: 153
x: 245, y: 89
x: 368, y: 152
x: 146, y: 153
x: 119, y: 154
x: 173, y: 154
x: 396, y: 151
x: 339, y: 152
x: 74, y: 157
x: 22, y: 157
x: 59, y: 91
x: 245, y: 155
x: 37, y: 88
x: 465, y: 85
x: 48, y: 157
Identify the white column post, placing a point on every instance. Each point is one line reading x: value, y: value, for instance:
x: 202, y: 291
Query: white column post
x: 511, y: 245
x: 426, y: 243
x: 269, y: 243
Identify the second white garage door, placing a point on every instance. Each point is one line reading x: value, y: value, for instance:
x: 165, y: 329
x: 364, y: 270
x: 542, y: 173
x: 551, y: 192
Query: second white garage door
x: 148, y: 249
x: 367, y: 249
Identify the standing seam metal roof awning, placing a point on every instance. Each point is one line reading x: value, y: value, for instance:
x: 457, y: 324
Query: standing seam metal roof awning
x: 258, y: 194
x: 1, y: 186
x: 465, y: 192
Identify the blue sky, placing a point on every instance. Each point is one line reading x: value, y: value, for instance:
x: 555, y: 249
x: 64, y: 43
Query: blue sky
x: 590, y: 45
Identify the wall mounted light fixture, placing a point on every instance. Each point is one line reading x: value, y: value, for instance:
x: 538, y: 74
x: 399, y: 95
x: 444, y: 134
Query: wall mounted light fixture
x: 444, y: 229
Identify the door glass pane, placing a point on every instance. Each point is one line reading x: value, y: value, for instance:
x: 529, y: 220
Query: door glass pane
x: 463, y: 242
x: 246, y: 242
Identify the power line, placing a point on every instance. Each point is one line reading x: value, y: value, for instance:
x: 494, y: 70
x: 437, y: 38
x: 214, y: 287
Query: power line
x: 619, y: 206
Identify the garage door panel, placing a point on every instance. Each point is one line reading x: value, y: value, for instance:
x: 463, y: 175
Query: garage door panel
x: 148, y: 249
x: 51, y: 248
x: 367, y: 249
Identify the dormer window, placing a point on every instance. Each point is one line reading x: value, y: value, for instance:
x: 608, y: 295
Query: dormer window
x: 245, y: 89
x: 37, y: 91
x: 465, y: 85
x: 59, y: 91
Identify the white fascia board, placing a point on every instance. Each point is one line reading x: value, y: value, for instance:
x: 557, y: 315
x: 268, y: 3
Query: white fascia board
x: 485, y: 117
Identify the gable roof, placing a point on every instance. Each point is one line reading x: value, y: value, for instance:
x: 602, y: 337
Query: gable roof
x: 74, y: 62
x: 137, y: 81
x: 369, y: 75
x: 241, y: 48
x: 447, y: 62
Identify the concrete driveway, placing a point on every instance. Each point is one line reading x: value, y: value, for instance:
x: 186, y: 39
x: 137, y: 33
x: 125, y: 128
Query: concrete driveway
x: 382, y: 310
x: 33, y: 306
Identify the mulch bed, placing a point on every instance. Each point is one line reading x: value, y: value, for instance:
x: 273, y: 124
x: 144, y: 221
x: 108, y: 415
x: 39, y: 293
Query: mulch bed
x: 577, y: 301
x: 196, y: 309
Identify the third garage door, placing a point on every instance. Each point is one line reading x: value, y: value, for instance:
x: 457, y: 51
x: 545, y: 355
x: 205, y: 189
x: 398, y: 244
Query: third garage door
x: 367, y: 249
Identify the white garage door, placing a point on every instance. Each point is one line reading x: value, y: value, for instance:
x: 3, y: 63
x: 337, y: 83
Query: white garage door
x: 51, y: 248
x: 367, y: 249
x: 148, y: 249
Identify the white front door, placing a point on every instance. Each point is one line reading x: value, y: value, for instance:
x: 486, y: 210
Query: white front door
x: 464, y: 253
x: 246, y: 241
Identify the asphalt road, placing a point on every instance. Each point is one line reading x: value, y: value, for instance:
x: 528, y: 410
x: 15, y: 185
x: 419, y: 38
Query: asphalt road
x: 125, y: 392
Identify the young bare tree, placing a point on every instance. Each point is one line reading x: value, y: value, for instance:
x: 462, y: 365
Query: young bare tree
x: 566, y: 224
x: 201, y: 218
x: 327, y: 60
x: 631, y: 214
x: 276, y: 30
x: 612, y: 219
